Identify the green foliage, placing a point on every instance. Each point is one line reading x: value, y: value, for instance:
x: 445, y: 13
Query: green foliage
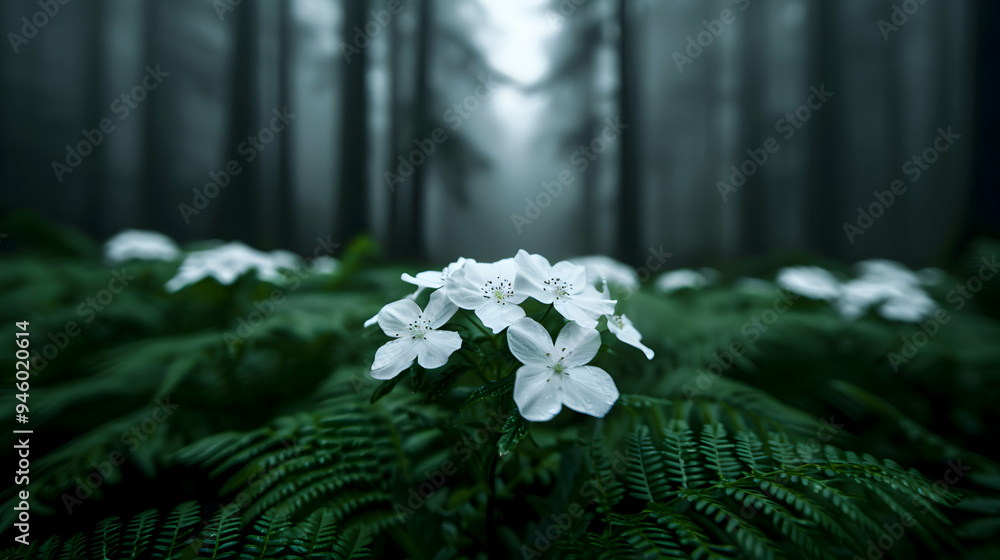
x: 339, y: 459
x: 286, y: 448
x: 188, y: 534
x: 755, y: 495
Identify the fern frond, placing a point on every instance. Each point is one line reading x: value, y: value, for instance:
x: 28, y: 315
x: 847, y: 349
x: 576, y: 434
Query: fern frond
x: 220, y: 536
x: 681, y: 454
x: 137, y: 534
x: 106, y: 538
x: 176, y: 533
x: 646, y: 477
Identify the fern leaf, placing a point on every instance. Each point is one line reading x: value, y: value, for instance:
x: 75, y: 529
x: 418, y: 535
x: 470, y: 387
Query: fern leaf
x: 106, y: 537
x: 176, y: 533
x: 138, y: 533
x: 681, y: 454
x: 645, y: 477
x: 219, y: 537
x: 718, y: 452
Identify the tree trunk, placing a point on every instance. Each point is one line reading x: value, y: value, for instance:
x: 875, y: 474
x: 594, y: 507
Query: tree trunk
x: 825, y: 136
x: 629, y: 216
x: 286, y: 189
x: 238, y: 202
x: 97, y: 107
x: 156, y: 202
x: 352, y: 191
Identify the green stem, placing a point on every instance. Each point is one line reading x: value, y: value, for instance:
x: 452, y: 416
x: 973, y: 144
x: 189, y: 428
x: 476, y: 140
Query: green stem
x: 475, y: 322
x: 546, y: 314
x: 491, y: 533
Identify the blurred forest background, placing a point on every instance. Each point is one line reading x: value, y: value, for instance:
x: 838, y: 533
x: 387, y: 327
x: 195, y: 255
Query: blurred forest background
x: 517, y: 87
x: 425, y: 130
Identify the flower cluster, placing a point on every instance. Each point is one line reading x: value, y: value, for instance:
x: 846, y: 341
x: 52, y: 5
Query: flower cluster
x: 134, y: 244
x: 228, y: 262
x: 886, y: 285
x: 553, y: 374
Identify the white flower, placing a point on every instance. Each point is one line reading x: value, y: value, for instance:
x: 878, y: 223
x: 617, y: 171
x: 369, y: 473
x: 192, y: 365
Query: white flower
x: 488, y: 289
x: 622, y: 327
x: 565, y: 286
x: 810, y: 281
x: 417, y: 337
x: 427, y: 279
x: 896, y: 301
x: 889, y: 285
x: 601, y: 268
x: 930, y: 276
x: 680, y: 278
x: 325, y: 265
x: 142, y: 245
x: 411, y: 297
x: 860, y: 294
x: 908, y: 306
x: 889, y: 272
x: 554, y: 375
x: 228, y: 262
x: 435, y: 278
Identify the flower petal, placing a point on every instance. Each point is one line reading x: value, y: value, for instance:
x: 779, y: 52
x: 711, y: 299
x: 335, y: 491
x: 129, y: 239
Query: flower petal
x: 498, y: 316
x: 393, y: 357
x: 589, y: 390
x: 577, y: 345
x: 394, y: 317
x: 425, y: 279
x: 601, y: 268
x: 574, y: 274
x: 436, y: 347
x: 537, y: 394
x: 674, y: 280
x: 532, y: 272
x: 586, y: 307
x: 626, y: 332
x: 810, y: 281
x: 463, y: 288
x: 530, y: 343
x: 416, y: 293
x: 439, y: 309
x: 371, y: 321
